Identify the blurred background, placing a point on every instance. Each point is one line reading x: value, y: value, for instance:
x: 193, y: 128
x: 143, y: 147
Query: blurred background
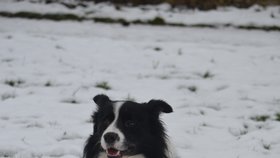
x: 216, y: 62
x: 202, y: 5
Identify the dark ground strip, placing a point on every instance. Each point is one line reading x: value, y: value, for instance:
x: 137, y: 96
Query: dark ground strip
x: 158, y: 21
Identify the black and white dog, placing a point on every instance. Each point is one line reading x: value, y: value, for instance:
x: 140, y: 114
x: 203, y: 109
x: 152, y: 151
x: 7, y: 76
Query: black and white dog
x: 126, y: 129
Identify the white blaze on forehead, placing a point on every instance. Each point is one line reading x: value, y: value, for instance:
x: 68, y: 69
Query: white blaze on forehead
x: 113, y: 128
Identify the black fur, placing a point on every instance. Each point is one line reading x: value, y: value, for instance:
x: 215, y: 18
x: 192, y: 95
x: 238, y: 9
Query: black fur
x: 139, y: 122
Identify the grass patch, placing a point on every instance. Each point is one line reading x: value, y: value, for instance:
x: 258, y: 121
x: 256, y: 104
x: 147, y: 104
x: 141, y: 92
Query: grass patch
x: 6, y: 96
x: 277, y: 116
x: 111, y: 21
x: 34, y: 125
x: 157, y: 49
x: 7, y: 153
x: 267, y: 146
x: 39, y: 16
x: 206, y: 75
x: 103, y: 85
x: 243, y: 132
x: 105, y: 20
x: 260, y: 118
x: 7, y: 60
x: 14, y: 83
x: 177, y: 24
x: 192, y: 88
x: 71, y: 101
x: 163, y: 77
x: 157, y: 21
x: 202, y: 112
x: 264, y: 28
x: 59, y: 47
x: 203, y: 26
x: 48, y: 84
x: 138, y: 22
x: 180, y: 52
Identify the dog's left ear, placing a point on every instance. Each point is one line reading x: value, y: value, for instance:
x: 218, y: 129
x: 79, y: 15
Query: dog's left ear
x: 101, y: 99
x: 159, y: 106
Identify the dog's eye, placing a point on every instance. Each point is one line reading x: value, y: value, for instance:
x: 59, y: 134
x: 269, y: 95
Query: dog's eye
x: 130, y: 123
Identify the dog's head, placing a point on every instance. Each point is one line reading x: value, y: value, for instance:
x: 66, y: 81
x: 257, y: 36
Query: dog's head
x: 127, y: 128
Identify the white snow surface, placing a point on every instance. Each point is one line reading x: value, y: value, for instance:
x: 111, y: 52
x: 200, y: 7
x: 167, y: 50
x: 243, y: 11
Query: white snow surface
x: 54, y: 63
x: 256, y: 15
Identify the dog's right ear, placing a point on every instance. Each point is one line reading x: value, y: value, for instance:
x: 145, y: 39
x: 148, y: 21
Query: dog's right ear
x: 159, y: 106
x: 101, y: 99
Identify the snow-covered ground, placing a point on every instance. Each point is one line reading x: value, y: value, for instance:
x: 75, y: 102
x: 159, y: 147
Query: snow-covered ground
x: 219, y: 83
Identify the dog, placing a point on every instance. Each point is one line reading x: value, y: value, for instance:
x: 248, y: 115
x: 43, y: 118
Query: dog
x: 126, y: 129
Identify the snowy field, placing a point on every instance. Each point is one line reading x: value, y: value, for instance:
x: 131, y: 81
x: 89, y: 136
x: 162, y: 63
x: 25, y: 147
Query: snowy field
x: 224, y: 86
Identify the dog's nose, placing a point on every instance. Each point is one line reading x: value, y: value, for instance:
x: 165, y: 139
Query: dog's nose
x: 111, y: 137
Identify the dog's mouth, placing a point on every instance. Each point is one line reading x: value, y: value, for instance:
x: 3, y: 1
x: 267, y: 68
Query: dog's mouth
x: 124, y: 152
x: 114, y: 153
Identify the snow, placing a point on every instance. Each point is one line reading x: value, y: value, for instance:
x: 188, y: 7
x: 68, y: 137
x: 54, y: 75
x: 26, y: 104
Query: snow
x: 54, y: 63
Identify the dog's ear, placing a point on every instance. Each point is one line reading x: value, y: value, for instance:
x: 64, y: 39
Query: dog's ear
x: 101, y: 99
x: 159, y: 106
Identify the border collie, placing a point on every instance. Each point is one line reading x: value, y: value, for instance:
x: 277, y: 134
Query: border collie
x: 126, y: 129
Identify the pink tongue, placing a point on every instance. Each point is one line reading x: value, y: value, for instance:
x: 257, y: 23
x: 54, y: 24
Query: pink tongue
x: 113, y: 152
